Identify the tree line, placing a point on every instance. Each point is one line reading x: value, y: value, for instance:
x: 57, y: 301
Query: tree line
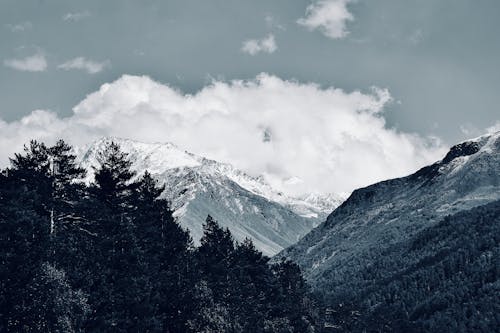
x: 108, y: 256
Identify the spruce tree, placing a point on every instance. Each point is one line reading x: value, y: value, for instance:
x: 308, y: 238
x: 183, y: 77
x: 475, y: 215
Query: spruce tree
x: 24, y: 229
x: 24, y: 240
x: 214, y: 258
x: 66, y: 185
x: 118, y: 283
x: 294, y: 300
x: 43, y: 191
x: 251, y: 278
x: 165, y: 251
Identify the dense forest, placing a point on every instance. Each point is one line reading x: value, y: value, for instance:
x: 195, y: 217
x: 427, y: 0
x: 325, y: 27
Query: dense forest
x: 109, y: 257
x: 445, y: 279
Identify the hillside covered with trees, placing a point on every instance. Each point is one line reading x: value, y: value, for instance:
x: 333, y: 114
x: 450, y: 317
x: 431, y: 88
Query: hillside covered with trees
x: 445, y: 279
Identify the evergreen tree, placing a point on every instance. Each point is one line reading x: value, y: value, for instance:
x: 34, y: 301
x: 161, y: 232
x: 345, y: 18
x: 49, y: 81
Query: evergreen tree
x: 165, y: 250
x: 119, y: 286
x: 66, y: 189
x: 214, y: 258
x: 113, y: 178
x: 24, y: 229
x: 294, y: 300
x: 251, y: 278
x: 68, y: 221
x: 24, y: 240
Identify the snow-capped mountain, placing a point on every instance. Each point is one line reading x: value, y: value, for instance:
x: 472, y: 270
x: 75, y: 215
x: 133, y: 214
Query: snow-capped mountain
x: 388, y: 214
x: 197, y: 186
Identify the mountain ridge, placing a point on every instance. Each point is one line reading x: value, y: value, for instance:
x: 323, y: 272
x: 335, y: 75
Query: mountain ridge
x: 197, y: 186
x: 391, y: 211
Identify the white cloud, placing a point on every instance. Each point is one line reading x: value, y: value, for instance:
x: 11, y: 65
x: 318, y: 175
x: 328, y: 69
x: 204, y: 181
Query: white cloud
x: 20, y: 27
x: 34, y: 63
x: 301, y: 137
x: 75, y: 17
x: 254, y: 46
x: 328, y: 16
x: 82, y: 63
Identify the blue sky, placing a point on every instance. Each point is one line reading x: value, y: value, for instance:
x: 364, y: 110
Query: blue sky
x: 438, y: 60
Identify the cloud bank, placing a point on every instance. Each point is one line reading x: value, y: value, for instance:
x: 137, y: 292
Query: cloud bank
x: 301, y: 137
x: 34, y: 63
x: 255, y: 46
x: 328, y: 16
x: 81, y: 63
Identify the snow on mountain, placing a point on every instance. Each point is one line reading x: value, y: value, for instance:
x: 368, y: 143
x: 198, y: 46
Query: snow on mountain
x: 381, y: 216
x: 197, y: 186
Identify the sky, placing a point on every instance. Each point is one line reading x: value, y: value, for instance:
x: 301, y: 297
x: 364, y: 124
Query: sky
x: 299, y: 91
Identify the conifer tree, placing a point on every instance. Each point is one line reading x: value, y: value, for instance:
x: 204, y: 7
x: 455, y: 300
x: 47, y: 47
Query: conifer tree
x: 118, y: 282
x: 165, y: 250
x: 113, y: 177
x: 214, y: 257
x: 251, y: 278
x: 24, y: 240
x: 31, y: 194
x: 66, y: 189
x: 293, y: 298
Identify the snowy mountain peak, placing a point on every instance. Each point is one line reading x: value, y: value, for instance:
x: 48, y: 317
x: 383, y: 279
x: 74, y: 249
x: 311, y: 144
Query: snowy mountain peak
x: 485, y: 144
x: 158, y: 158
x: 197, y: 186
x: 462, y: 156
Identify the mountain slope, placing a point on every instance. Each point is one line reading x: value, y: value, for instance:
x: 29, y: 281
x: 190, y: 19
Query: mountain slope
x: 390, y: 213
x: 197, y: 186
x: 445, y: 279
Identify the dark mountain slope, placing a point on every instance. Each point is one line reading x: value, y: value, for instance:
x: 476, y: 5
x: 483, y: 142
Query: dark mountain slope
x: 447, y: 278
x: 377, y: 249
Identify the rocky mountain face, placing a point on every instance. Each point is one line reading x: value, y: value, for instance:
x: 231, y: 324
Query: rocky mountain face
x: 197, y: 186
x: 382, y: 219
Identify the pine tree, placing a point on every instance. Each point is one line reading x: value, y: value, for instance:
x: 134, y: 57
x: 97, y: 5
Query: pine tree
x: 118, y: 282
x: 68, y: 220
x: 214, y: 258
x: 165, y: 250
x: 24, y: 240
x: 24, y: 231
x: 251, y: 278
x: 66, y: 189
x: 294, y: 301
x: 113, y: 177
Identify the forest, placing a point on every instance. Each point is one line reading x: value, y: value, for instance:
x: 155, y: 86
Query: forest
x: 445, y: 279
x: 109, y: 257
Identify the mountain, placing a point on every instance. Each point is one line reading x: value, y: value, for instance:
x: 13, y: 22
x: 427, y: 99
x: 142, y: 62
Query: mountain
x: 197, y: 186
x: 403, y: 241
